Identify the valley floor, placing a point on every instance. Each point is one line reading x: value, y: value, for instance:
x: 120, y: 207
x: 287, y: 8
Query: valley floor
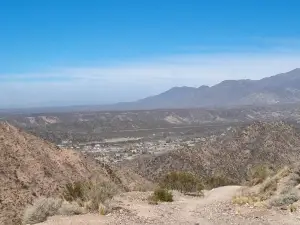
x: 215, y: 208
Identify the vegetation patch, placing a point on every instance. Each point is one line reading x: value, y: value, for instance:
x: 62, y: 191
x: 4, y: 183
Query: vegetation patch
x: 182, y: 181
x: 90, y: 194
x: 160, y: 195
x: 258, y: 174
x: 77, y: 198
x: 292, y: 208
x: 278, y: 190
x: 253, y: 200
x: 268, y: 188
x: 218, y: 180
x: 41, y: 209
x: 285, y: 199
x: 70, y: 208
x: 75, y: 191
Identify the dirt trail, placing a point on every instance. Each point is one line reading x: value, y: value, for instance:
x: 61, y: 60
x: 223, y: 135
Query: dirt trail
x: 215, y: 208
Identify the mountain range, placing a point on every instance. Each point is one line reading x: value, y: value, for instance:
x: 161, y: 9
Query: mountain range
x: 279, y: 89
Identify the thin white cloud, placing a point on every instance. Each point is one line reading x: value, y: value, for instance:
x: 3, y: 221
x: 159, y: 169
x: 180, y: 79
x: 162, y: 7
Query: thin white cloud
x: 137, y: 79
x: 188, y: 69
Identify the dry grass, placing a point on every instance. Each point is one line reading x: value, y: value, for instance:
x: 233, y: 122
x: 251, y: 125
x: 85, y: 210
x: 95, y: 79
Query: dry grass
x: 293, y: 208
x: 90, y: 194
x: 294, y: 180
x: 80, y: 197
x: 288, y: 193
x: 103, y: 209
x: 252, y: 200
x: 259, y: 174
x: 266, y: 192
x: 100, y: 192
x: 74, y: 191
x: 70, y: 208
x: 41, y: 209
x: 269, y: 187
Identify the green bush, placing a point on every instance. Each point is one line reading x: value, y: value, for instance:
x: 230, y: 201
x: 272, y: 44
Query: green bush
x: 182, y: 181
x: 160, y: 195
x: 218, y: 180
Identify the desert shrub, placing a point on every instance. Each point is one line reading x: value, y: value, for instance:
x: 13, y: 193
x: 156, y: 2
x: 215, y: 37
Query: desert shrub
x: 90, y: 194
x: 160, y: 195
x: 293, y: 180
x: 152, y: 200
x: 218, y: 180
x: 41, y: 209
x: 70, y: 208
x: 181, y: 181
x: 74, y: 191
x: 293, y: 208
x: 98, y: 193
x: 246, y: 199
x: 258, y: 174
x: 270, y: 185
x: 285, y: 199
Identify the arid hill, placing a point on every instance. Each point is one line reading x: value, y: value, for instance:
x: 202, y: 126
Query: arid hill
x: 31, y: 167
x: 232, y: 155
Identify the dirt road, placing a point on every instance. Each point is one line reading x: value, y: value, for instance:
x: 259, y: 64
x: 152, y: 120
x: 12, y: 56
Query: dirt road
x: 215, y: 208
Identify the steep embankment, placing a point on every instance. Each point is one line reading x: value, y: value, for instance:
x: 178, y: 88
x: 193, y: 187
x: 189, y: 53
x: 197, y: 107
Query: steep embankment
x: 31, y: 167
x: 275, y: 144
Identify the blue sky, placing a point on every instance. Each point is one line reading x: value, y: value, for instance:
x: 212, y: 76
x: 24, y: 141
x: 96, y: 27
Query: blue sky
x: 63, y: 52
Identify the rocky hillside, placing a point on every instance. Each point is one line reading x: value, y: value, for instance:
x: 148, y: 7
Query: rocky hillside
x: 31, y: 167
x: 231, y: 155
x: 93, y: 126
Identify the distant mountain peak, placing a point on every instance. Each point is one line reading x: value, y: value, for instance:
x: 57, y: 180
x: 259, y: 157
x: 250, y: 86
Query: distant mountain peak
x: 203, y: 87
x: 269, y: 90
x: 295, y: 70
x: 178, y: 89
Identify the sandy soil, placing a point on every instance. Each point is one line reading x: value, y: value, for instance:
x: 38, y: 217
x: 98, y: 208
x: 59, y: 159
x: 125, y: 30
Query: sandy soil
x: 215, y: 208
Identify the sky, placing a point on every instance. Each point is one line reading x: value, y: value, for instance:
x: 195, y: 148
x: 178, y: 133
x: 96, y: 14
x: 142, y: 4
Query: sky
x: 63, y: 52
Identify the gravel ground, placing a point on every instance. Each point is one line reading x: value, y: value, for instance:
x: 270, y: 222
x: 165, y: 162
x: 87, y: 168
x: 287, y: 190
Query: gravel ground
x: 215, y: 208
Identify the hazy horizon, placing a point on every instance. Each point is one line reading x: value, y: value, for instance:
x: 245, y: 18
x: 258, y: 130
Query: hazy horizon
x: 69, y: 53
